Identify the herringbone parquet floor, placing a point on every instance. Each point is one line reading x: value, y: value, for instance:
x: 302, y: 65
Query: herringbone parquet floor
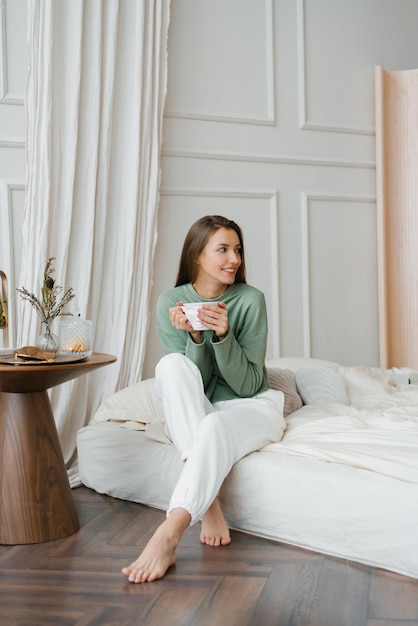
x: 252, y: 582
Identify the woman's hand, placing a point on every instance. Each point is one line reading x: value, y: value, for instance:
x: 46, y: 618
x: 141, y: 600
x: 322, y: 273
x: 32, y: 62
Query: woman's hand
x: 215, y: 317
x: 179, y: 320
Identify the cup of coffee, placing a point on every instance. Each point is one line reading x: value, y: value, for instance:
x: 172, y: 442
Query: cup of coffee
x: 190, y: 310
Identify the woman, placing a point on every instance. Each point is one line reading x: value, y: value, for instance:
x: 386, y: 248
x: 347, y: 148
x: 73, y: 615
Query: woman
x: 213, y: 386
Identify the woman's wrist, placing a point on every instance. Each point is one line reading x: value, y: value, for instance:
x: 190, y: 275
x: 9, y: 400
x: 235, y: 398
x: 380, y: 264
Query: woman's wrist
x: 196, y: 336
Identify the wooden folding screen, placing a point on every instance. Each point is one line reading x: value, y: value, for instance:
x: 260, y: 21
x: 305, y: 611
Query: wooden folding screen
x: 397, y: 205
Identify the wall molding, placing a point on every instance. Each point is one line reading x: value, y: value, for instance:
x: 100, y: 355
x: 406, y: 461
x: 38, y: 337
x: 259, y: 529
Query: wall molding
x: 306, y: 199
x: 8, y: 99
x: 271, y: 195
x: 6, y: 242
x: 5, y: 97
x: 219, y: 117
x: 270, y: 118
x: 203, y: 192
x: 266, y: 158
x: 304, y: 122
x: 12, y: 144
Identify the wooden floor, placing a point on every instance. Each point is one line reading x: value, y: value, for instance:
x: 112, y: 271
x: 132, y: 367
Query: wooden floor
x: 251, y: 582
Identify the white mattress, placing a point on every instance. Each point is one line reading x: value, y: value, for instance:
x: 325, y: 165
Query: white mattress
x: 343, y: 481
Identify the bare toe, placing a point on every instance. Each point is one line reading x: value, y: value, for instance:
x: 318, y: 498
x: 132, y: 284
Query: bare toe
x: 215, y: 531
x: 160, y: 552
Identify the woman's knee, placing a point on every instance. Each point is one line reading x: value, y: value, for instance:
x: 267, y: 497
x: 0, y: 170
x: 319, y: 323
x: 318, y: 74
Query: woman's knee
x: 170, y: 362
x: 177, y: 364
x: 177, y: 369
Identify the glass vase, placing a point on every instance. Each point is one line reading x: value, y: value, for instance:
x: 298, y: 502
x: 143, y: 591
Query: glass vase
x: 47, y: 341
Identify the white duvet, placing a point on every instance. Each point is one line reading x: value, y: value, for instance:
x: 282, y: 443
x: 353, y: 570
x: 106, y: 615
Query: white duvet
x: 378, y: 431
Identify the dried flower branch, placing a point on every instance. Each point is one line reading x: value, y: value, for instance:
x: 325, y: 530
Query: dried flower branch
x: 49, y: 306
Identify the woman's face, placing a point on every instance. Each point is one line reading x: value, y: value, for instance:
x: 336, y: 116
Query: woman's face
x: 217, y: 265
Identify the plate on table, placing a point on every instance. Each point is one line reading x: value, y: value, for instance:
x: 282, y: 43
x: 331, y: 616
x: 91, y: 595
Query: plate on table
x: 61, y: 359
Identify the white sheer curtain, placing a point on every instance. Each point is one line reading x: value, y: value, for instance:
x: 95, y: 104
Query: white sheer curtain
x: 95, y: 96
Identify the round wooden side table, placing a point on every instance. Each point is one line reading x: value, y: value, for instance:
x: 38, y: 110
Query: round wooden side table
x: 36, y: 503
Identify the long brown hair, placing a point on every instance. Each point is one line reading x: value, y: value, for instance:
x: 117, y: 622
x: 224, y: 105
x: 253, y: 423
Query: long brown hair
x: 195, y: 241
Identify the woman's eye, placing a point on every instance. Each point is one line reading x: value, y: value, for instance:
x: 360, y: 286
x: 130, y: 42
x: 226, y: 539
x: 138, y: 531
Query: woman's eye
x: 224, y: 249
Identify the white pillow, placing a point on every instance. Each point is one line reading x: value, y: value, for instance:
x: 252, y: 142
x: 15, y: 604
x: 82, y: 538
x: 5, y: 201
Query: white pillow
x: 136, y: 403
x: 321, y: 385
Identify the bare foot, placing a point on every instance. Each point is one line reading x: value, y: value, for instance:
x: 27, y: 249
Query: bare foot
x: 160, y: 552
x: 214, y: 531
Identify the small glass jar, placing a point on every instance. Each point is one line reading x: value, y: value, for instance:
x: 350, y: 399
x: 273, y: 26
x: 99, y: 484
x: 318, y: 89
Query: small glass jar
x: 75, y: 337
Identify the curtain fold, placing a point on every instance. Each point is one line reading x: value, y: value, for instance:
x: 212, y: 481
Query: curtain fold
x: 97, y: 74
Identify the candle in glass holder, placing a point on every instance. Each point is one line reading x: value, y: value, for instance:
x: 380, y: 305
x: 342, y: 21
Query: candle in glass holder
x: 75, y: 337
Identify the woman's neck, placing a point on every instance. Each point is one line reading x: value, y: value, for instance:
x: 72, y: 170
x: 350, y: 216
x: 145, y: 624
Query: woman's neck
x: 209, y: 292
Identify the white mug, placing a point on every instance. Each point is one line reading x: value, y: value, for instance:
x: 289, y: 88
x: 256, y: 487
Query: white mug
x: 190, y: 310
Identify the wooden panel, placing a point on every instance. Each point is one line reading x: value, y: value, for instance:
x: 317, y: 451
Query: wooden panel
x: 397, y: 163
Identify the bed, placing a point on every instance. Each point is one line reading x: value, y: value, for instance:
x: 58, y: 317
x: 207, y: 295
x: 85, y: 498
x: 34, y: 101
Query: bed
x: 343, y: 480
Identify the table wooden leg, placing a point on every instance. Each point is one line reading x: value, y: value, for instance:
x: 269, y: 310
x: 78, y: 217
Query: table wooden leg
x: 36, y: 502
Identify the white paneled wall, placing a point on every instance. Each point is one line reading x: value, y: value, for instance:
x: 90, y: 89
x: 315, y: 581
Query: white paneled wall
x: 340, y: 277
x: 233, y: 44
x: 270, y: 121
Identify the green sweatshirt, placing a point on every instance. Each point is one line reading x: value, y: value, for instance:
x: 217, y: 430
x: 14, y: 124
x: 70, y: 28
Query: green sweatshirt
x: 233, y: 367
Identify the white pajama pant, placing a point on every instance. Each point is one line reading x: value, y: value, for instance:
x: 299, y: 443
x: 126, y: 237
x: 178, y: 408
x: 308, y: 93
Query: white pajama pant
x: 210, y: 438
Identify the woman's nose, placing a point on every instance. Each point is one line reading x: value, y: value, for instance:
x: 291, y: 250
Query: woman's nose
x: 234, y: 257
